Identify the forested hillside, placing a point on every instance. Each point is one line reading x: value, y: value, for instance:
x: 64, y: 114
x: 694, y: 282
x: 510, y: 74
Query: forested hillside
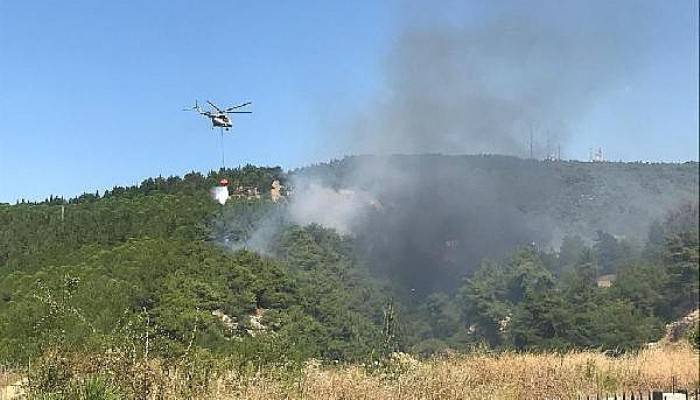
x: 455, y: 256
x: 437, y: 217
x: 95, y: 268
x: 548, y: 199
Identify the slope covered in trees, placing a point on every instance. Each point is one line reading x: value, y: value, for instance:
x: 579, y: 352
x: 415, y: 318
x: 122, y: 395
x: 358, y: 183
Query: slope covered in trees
x: 160, y: 263
x: 440, y: 216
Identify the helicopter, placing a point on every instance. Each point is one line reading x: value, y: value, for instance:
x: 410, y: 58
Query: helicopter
x: 220, y: 118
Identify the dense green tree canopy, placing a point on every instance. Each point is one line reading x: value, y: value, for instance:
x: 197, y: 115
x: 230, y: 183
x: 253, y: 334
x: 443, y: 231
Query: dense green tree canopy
x: 161, y: 260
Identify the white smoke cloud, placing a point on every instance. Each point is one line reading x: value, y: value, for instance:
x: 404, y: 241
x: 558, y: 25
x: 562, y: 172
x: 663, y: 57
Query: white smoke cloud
x: 339, y: 209
x: 220, y: 194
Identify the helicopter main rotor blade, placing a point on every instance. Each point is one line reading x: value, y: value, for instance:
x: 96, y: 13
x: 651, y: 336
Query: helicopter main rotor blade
x: 239, y: 112
x: 239, y: 106
x: 215, y: 107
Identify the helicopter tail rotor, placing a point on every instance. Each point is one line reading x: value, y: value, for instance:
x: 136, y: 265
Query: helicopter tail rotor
x: 195, y: 107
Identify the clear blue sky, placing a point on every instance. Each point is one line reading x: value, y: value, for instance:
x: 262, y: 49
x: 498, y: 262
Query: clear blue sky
x: 91, y: 91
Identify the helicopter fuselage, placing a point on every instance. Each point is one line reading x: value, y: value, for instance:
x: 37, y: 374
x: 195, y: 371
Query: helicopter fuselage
x: 221, y: 121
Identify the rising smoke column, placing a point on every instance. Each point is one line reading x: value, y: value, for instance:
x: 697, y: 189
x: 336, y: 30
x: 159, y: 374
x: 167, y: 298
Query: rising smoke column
x: 465, y: 88
x: 470, y: 87
x: 482, y: 86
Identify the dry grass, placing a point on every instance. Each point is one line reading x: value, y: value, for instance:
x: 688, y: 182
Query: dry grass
x: 9, y: 384
x: 480, y: 376
x: 465, y: 376
x: 6, y: 377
